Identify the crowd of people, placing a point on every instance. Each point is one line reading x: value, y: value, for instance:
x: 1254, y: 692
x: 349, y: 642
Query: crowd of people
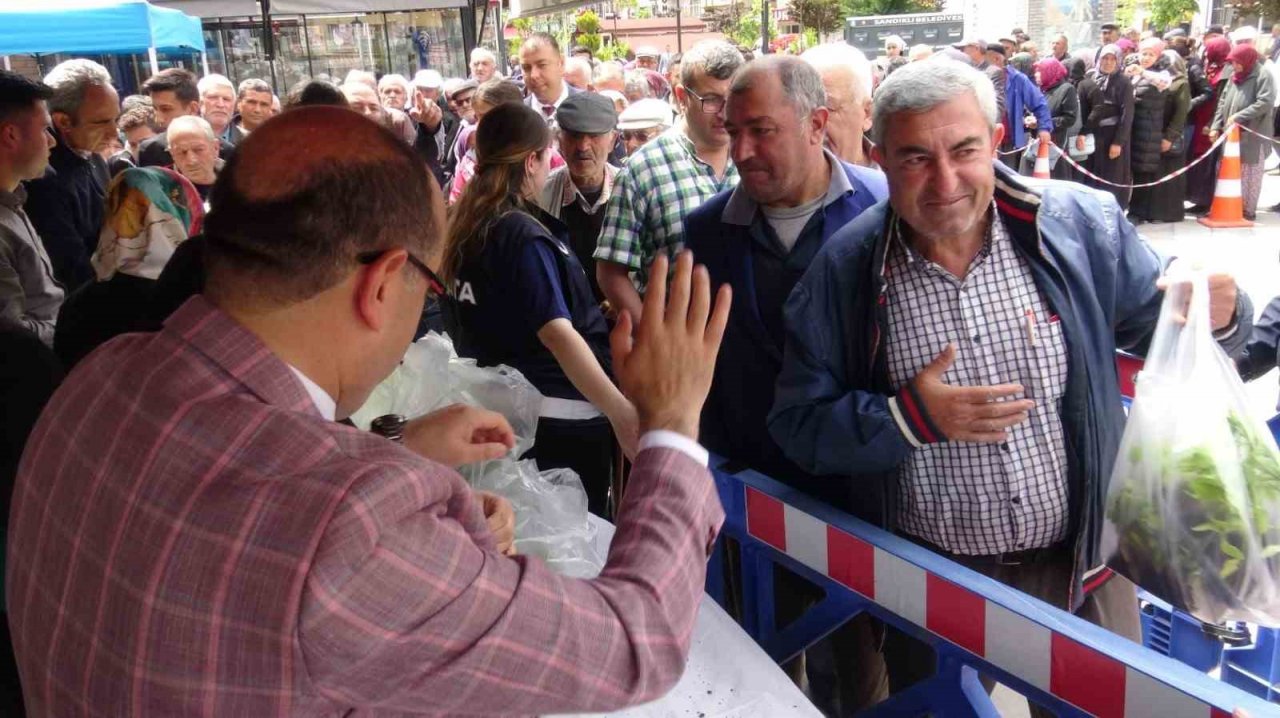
x: 1133, y: 109
x: 883, y: 313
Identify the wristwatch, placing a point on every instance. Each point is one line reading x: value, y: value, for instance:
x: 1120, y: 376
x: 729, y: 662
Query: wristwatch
x: 389, y: 426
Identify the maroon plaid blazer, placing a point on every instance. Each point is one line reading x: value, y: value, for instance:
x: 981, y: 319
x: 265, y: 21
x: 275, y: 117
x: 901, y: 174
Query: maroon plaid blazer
x: 189, y: 537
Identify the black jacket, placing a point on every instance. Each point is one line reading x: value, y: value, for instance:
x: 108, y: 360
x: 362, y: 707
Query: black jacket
x: 1064, y: 106
x: 1148, y: 127
x: 1262, y: 353
x: 66, y: 208
x: 436, y: 156
x: 155, y: 151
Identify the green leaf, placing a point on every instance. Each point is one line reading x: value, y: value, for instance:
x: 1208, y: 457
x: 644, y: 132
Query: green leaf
x: 1230, y: 567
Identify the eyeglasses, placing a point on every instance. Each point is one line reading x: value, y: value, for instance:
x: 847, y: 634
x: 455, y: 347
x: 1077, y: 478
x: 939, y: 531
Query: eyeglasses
x: 711, y: 104
x: 434, y: 284
x: 638, y: 135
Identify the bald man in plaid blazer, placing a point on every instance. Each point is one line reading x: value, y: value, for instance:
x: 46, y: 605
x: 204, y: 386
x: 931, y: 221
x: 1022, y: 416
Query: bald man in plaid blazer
x: 193, y: 534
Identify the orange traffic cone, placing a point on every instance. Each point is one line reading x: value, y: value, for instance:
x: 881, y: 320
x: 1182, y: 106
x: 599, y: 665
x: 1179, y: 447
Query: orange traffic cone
x: 1041, y: 170
x: 1227, y: 209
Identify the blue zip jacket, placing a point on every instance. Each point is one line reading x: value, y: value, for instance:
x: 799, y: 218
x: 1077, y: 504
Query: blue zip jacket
x: 832, y: 413
x: 1020, y: 92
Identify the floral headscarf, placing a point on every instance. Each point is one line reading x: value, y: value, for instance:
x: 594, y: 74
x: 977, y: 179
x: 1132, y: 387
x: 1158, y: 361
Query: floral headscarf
x: 150, y: 211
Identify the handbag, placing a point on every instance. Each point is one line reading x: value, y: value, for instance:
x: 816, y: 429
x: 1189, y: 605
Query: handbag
x: 1079, y: 154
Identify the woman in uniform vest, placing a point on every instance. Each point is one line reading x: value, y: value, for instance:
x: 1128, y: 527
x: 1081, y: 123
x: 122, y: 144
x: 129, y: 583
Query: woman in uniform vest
x: 518, y: 296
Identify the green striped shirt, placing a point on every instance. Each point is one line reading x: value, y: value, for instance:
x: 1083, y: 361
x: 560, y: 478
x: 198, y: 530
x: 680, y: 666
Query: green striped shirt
x: 658, y: 186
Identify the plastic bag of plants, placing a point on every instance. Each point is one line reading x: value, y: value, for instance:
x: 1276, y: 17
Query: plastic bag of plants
x: 1193, y: 508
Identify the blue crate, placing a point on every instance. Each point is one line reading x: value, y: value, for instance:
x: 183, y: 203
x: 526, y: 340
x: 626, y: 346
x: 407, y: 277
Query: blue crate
x: 1256, y: 668
x: 1178, y: 635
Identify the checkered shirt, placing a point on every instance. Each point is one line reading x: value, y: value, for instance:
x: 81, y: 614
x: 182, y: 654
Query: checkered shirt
x: 659, y: 185
x: 971, y: 498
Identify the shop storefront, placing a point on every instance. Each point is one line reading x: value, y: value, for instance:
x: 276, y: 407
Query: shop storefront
x: 305, y: 46
x: 312, y: 45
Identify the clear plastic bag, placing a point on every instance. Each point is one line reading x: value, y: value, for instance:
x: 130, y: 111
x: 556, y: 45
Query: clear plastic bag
x: 550, y: 506
x: 1193, y: 509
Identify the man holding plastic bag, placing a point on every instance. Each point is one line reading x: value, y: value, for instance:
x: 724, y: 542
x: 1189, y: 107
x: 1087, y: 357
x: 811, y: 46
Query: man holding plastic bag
x: 953, y: 352
x: 1193, y: 512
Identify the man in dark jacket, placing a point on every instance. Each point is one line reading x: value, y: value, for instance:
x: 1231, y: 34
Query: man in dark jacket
x: 173, y: 93
x: 1262, y: 353
x: 759, y: 239
x: 66, y: 205
x: 947, y: 347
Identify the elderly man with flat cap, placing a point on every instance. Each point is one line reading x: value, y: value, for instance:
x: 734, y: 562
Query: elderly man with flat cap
x: 193, y: 532
x: 576, y: 194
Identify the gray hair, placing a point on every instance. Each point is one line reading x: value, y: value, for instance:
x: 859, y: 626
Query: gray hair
x: 69, y: 81
x: 363, y: 77
x: 842, y: 55
x: 253, y: 84
x: 637, y: 83
x: 801, y: 83
x: 714, y: 58
x: 189, y: 123
x: 392, y: 78
x: 921, y: 86
x: 483, y: 53
x: 607, y: 71
x: 208, y: 82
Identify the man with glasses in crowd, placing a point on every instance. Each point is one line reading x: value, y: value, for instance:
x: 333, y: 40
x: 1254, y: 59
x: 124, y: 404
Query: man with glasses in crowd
x: 668, y: 178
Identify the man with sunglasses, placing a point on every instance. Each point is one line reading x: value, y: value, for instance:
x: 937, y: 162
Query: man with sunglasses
x: 668, y: 178
x: 192, y: 527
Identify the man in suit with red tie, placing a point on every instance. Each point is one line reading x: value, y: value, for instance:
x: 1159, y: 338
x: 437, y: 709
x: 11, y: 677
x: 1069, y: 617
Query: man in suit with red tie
x: 193, y: 532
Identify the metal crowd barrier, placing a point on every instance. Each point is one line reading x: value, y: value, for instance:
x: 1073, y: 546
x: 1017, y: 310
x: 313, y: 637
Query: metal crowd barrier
x: 974, y: 624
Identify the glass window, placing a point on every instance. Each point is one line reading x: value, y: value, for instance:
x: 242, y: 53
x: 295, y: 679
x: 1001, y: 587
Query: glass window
x: 426, y: 39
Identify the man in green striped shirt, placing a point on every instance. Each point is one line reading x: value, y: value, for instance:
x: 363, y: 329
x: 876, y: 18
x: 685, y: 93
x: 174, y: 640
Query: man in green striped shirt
x: 668, y: 178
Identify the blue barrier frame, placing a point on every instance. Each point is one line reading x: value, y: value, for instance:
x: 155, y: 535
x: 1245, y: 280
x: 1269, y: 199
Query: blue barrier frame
x: 955, y: 690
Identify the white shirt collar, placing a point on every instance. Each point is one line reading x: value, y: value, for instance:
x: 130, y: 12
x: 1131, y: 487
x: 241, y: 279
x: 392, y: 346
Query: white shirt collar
x: 325, y: 404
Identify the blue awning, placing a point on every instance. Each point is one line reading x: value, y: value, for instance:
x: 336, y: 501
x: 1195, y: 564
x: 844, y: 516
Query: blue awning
x: 96, y: 26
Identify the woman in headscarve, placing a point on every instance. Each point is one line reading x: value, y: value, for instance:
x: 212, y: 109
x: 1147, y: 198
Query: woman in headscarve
x: 150, y: 211
x: 1249, y: 101
x: 1077, y: 68
x: 1106, y: 104
x: 1164, y: 202
x: 1148, y: 120
x: 1064, y: 104
x: 1202, y: 177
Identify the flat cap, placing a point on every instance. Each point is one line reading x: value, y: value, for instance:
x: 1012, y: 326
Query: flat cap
x: 429, y: 79
x: 463, y: 87
x: 587, y: 113
x: 995, y: 47
x: 643, y: 114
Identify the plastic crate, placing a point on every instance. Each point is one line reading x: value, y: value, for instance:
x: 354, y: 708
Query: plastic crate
x: 1255, y: 669
x: 1183, y: 638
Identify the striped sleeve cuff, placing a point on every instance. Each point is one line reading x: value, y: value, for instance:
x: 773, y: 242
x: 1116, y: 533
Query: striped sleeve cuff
x: 908, y: 412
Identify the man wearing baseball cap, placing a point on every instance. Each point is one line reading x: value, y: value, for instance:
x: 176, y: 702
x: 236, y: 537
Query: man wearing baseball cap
x: 576, y: 194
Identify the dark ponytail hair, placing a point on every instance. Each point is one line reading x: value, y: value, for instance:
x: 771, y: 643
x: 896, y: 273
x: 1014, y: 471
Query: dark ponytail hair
x: 504, y: 139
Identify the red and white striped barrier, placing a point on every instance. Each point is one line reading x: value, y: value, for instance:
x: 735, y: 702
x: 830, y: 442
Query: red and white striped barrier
x: 1080, y: 675
x: 1176, y: 173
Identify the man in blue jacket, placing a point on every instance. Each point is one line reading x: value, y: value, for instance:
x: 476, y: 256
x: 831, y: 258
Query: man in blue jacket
x: 1022, y: 95
x: 759, y: 238
x: 953, y: 352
